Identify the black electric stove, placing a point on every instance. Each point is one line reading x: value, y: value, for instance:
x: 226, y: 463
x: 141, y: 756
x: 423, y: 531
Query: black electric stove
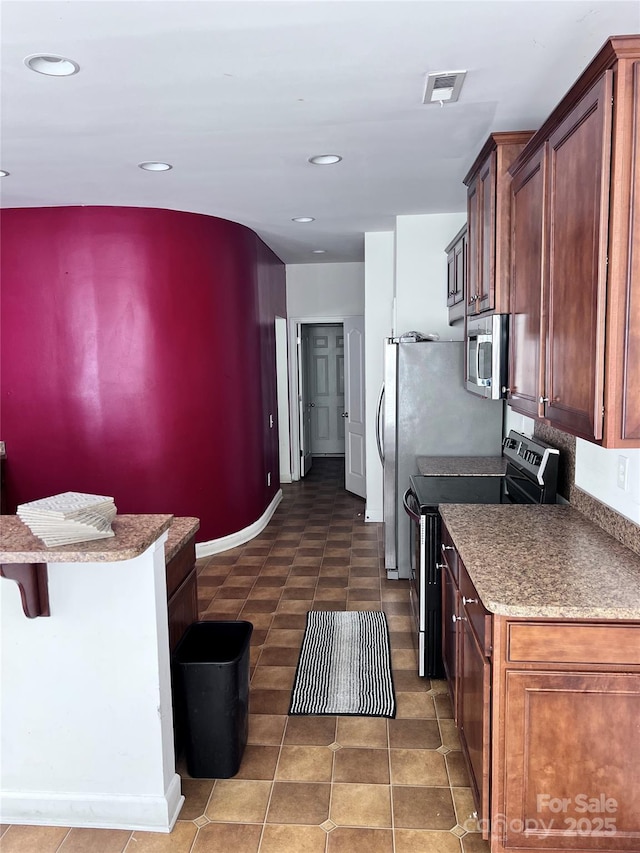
x: 530, y: 477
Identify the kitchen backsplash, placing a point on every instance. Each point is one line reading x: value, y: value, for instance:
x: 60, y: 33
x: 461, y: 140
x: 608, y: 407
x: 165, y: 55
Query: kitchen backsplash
x: 623, y: 529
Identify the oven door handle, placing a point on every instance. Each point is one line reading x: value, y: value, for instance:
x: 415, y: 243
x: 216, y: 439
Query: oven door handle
x: 409, y: 510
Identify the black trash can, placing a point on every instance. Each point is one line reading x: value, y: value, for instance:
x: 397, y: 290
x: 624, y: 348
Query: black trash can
x: 211, y: 672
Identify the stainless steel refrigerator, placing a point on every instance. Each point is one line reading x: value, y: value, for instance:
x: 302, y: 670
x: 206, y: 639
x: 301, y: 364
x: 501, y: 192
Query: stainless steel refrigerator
x: 424, y: 410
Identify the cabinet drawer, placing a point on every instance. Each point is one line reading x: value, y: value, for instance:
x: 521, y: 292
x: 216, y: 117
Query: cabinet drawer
x: 180, y: 565
x: 584, y: 644
x: 473, y: 609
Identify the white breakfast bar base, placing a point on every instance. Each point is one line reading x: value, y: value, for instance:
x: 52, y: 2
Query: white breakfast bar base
x: 86, y: 713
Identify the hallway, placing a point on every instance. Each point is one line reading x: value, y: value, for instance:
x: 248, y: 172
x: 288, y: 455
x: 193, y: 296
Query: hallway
x: 311, y: 784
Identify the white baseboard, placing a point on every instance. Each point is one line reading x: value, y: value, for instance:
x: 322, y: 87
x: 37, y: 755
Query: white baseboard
x: 96, y: 811
x: 216, y: 546
x: 285, y: 477
x: 374, y: 514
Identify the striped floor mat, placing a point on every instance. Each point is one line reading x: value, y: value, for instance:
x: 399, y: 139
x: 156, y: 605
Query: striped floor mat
x: 345, y: 665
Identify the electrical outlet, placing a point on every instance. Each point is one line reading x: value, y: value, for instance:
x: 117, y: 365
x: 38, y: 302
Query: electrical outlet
x: 623, y: 472
x: 269, y: 478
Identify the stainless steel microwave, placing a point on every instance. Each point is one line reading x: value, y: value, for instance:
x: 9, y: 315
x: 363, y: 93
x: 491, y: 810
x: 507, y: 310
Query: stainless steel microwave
x: 487, y: 341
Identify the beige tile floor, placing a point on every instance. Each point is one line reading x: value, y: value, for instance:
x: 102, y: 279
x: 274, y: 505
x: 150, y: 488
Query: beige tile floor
x: 311, y: 784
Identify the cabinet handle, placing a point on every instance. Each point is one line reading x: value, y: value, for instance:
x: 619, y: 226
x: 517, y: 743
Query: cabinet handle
x: 444, y: 547
x: 469, y: 600
x: 543, y: 399
x: 441, y: 566
x: 455, y: 618
x: 506, y: 391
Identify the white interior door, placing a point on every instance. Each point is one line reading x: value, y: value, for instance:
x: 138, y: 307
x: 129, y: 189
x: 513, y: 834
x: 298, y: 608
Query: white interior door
x: 326, y: 375
x: 304, y: 400
x: 354, y: 462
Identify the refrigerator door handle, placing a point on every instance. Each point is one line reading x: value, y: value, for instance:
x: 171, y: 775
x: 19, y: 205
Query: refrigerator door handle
x: 379, y: 426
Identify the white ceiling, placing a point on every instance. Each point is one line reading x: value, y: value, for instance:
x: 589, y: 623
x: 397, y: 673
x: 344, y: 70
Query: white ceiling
x: 238, y: 95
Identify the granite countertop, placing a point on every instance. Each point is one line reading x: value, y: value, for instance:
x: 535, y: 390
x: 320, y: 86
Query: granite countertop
x: 133, y: 535
x: 461, y: 466
x: 544, y: 561
x: 181, y: 530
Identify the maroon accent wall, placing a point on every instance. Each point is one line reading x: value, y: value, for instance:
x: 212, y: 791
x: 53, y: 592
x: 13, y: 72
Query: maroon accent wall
x: 138, y: 360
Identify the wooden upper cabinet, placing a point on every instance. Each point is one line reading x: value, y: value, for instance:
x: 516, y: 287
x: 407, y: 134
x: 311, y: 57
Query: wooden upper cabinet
x: 575, y: 269
x: 488, y: 216
x: 579, y: 153
x: 456, y: 275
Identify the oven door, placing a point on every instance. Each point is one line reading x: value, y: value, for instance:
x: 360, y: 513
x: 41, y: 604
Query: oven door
x: 416, y: 556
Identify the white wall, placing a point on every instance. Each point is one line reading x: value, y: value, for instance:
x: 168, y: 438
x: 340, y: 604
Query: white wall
x: 597, y: 474
x: 421, y: 273
x: 405, y: 289
x: 597, y: 470
x: 325, y: 290
x: 379, y: 252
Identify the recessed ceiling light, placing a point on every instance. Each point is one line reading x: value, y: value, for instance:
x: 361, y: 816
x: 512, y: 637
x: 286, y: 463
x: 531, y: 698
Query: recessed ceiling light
x: 325, y: 159
x: 3, y: 174
x: 318, y: 251
x: 303, y: 219
x: 153, y: 166
x: 51, y: 65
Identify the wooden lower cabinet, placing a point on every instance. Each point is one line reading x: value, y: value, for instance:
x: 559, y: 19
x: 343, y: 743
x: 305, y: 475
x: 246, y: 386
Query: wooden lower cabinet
x: 182, y: 592
x: 474, y: 712
x: 449, y: 636
x: 572, y: 761
x: 183, y: 609
x: 548, y: 713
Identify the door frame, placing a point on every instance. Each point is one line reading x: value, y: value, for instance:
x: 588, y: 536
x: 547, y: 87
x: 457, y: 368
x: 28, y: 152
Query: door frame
x: 294, y: 421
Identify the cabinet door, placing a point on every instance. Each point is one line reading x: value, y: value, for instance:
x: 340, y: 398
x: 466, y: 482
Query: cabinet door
x: 460, y: 261
x: 183, y: 609
x: 579, y: 172
x: 449, y: 634
x: 474, y: 225
x: 487, y: 234
x: 474, y: 714
x: 451, y: 278
x: 563, y: 733
x: 526, y: 339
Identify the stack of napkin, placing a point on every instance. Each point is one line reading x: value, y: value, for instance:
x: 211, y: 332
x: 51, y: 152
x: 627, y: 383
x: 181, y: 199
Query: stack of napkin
x: 69, y: 517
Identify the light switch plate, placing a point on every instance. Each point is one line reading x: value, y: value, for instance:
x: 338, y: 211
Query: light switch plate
x: 623, y: 472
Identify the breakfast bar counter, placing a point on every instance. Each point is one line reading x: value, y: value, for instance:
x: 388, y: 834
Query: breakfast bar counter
x: 133, y: 535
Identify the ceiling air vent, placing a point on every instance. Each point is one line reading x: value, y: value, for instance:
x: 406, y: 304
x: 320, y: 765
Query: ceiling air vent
x: 443, y: 87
